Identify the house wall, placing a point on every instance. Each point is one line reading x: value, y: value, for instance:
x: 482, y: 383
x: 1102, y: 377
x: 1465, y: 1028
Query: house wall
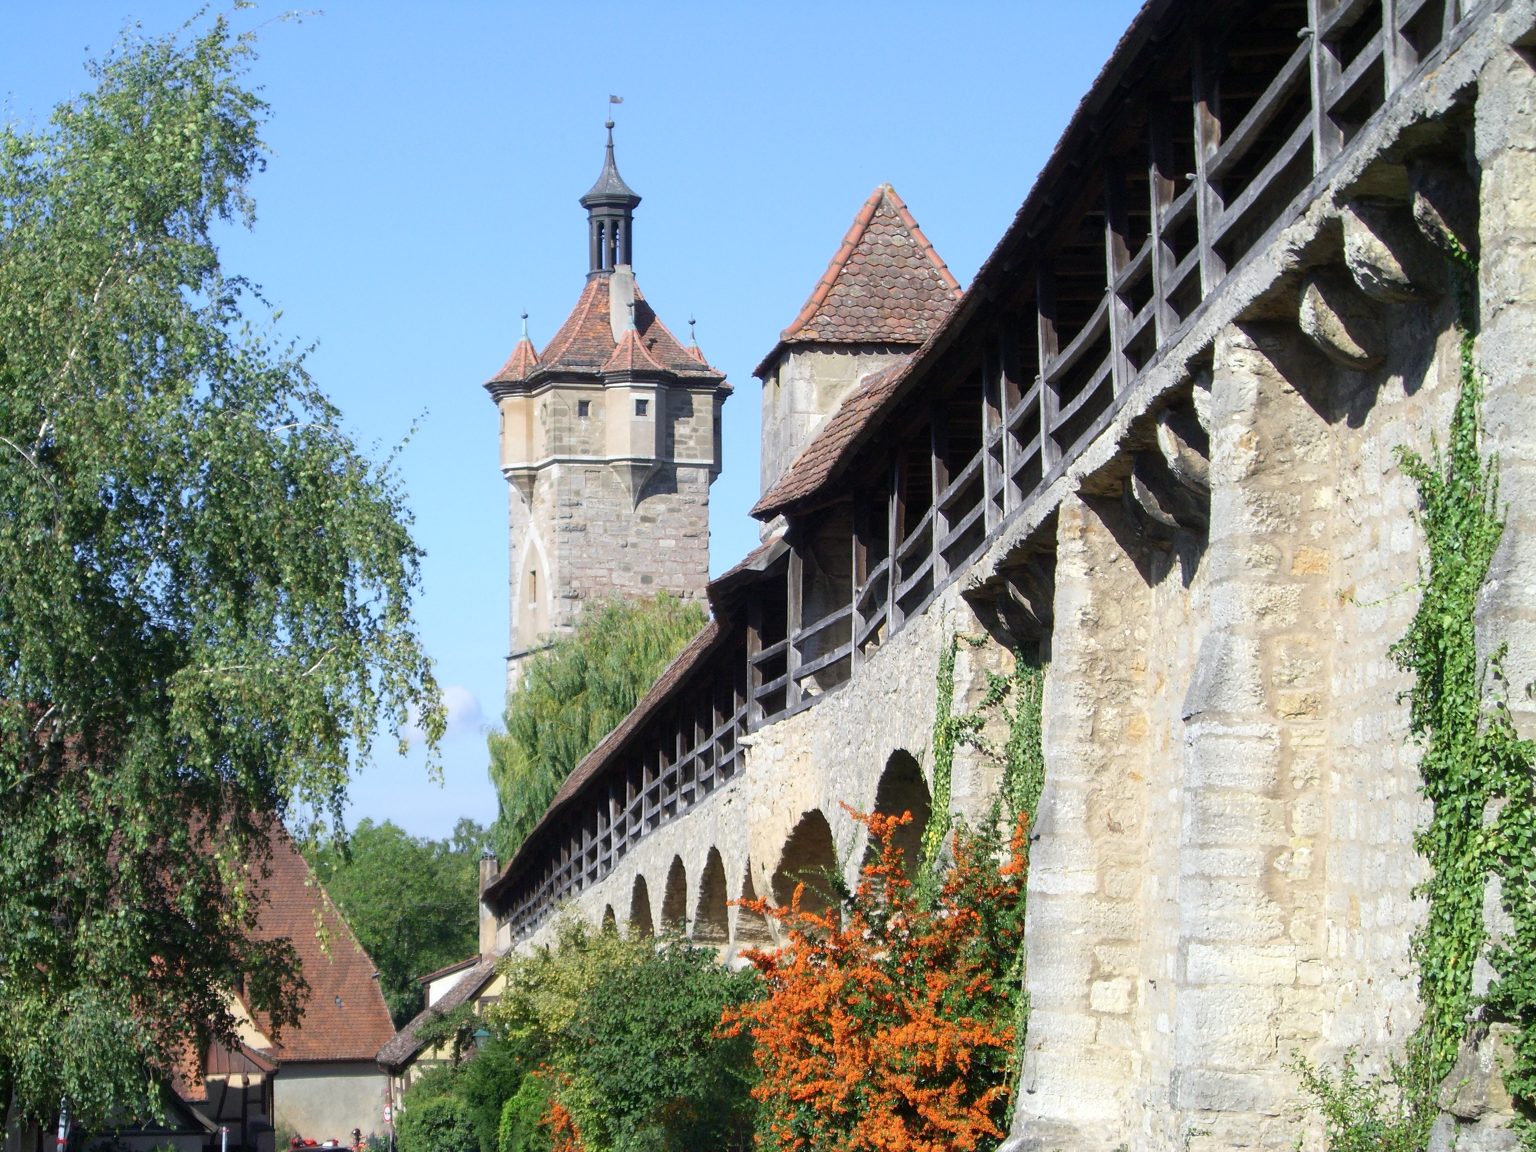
x: 325, y: 1100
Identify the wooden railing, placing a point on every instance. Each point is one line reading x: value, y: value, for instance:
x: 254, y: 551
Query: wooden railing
x: 1223, y: 163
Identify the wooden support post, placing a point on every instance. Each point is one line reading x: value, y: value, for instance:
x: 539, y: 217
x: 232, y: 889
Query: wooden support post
x: 860, y: 581
x: 1050, y: 399
x: 796, y: 620
x: 938, y: 470
x: 1327, y: 136
x: 1007, y: 405
x: 754, y: 671
x: 994, y: 481
x: 1208, y: 199
x: 1117, y: 255
x: 1160, y: 185
x: 1398, y: 58
x: 895, y: 528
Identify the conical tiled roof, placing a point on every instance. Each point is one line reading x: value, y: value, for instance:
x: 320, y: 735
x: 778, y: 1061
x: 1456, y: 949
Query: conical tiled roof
x: 885, y: 285
x: 519, y: 365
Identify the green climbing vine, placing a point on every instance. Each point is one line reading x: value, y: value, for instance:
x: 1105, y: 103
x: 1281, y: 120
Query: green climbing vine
x: 1476, y: 771
x: 1017, y: 698
x: 1476, y: 774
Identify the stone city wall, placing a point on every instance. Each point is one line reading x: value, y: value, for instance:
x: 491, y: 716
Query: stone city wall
x: 1224, y: 874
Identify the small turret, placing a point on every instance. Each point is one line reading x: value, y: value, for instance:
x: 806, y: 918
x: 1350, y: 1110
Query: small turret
x: 610, y: 209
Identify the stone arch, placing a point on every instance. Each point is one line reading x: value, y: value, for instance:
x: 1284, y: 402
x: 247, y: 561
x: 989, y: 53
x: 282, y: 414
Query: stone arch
x: 610, y: 921
x: 530, y: 606
x: 711, y: 917
x: 752, y: 929
x: 903, y: 789
x: 808, y: 857
x: 674, y: 899
x: 641, y: 923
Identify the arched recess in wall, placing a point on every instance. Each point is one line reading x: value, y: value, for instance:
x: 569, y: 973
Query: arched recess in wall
x: 640, y: 921
x: 711, y: 920
x: 610, y: 921
x: 533, y: 591
x: 752, y: 930
x: 809, y: 857
x: 903, y: 789
x: 674, y: 899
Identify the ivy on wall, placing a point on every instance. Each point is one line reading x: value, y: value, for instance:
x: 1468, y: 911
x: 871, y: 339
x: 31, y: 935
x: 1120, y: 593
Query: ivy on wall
x: 1476, y: 770
x: 1477, y: 775
x: 1017, y: 698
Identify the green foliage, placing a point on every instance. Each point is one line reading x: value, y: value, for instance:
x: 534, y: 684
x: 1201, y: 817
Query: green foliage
x: 620, y: 1032
x: 205, y: 588
x: 519, y: 1129
x: 1365, y: 1115
x: 575, y: 693
x: 949, y: 732
x: 439, y: 1124
x: 646, y: 1048
x: 411, y: 901
x: 1477, y: 775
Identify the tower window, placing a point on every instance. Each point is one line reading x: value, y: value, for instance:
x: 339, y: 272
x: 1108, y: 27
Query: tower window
x: 533, y: 585
x: 642, y: 407
x: 583, y: 408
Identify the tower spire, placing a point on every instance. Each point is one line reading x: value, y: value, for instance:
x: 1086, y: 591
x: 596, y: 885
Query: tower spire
x: 610, y: 209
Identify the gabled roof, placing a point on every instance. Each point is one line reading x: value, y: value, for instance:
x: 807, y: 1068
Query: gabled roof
x: 401, y: 1048
x: 345, y: 1017
x: 835, y: 439
x: 631, y: 355
x: 885, y: 285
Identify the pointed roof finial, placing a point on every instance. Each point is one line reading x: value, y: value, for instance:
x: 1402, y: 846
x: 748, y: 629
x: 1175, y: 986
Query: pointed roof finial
x: 525, y: 323
x: 692, y: 336
x: 610, y: 189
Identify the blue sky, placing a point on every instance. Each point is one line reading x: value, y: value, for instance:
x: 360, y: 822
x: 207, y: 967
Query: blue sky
x: 425, y: 163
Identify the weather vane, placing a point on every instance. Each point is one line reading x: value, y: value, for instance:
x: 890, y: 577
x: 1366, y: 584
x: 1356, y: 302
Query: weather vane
x: 612, y: 100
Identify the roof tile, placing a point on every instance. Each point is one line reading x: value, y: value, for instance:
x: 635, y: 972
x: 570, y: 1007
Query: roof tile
x: 885, y: 285
x: 345, y: 1017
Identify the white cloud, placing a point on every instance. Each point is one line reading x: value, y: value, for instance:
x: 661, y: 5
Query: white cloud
x: 465, y: 716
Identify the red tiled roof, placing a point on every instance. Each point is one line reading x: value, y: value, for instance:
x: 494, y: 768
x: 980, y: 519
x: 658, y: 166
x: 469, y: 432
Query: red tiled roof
x: 585, y: 343
x: 631, y: 356
x: 885, y: 285
x: 836, y: 439
x: 345, y: 1017
x: 519, y: 365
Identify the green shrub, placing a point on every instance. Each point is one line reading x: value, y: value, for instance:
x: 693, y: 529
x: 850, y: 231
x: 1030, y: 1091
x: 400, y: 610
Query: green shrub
x: 438, y: 1124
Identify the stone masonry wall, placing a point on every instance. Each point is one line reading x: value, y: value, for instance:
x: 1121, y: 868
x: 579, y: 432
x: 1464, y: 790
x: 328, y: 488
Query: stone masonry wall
x: 1223, y: 874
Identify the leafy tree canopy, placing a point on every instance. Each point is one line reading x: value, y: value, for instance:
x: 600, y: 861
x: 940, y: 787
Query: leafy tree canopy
x: 412, y: 902
x: 205, y: 588
x: 576, y: 692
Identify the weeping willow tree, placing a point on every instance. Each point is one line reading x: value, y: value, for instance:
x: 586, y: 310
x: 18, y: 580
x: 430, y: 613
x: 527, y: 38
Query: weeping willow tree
x: 575, y: 693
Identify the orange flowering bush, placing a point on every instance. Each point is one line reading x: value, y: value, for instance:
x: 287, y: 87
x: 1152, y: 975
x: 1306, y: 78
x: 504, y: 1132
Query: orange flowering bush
x: 564, y: 1136
x: 888, y: 1023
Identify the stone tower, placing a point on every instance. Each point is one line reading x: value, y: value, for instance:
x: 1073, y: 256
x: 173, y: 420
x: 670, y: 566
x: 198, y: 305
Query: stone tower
x: 610, y: 439
x: 884, y: 293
